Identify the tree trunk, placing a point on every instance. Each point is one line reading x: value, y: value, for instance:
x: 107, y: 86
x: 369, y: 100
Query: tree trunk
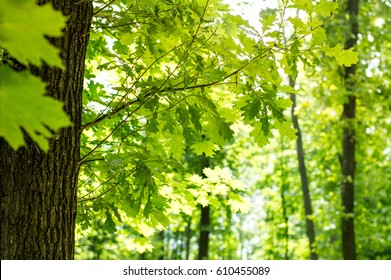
x: 310, y: 228
x: 286, y: 220
x: 162, y: 253
x: 204, y: 233
x: 38, y: 190
x: 188, y: 238
x: 204, y: 221
x: 283, y: 189
x: 349, y: 141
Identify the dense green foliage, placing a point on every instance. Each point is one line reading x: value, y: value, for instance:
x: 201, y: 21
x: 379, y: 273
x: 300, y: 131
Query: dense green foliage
x: 168, y: 83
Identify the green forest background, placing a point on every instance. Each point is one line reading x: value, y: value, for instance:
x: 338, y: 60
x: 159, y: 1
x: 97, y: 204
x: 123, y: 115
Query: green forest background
x: 206, y: 137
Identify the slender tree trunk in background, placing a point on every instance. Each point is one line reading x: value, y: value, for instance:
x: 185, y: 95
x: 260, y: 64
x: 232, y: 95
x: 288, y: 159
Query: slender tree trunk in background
x: 349, y: 141
x: 284, y: 204
x: 286, y: 221
x: 162, y: 253
x: 38, y: 190
x: 310, y: 228
x: 204, y: 233
x: 188, y: 238
x: 176, y: 252
x: 205, y: 220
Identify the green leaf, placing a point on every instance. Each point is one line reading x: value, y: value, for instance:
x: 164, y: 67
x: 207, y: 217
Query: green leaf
x: 343, y: 57
x: 142, y: 244
x: 128, y: 38
x: 251, y: 109
x: 283, y: 103
x: 237, y: 203
x: 318, y: 36
x: 152, y: 125
x: 195, y: 117
x: 225, y: 131
x: 347, y: 57
x: 305, y: 5
x: 218, y: 131
x: 24, y: 106
x: 206, y: 147
x: 259, y: 136
x: 109, y: 224
x: 267, y: 18
x: 24, y: 25
x: 325, y: 9
x: 163, y: 220
x: 176, y: 146
x: 286, y: 129
x: 292, y: 60
x: 145, y: 229
x: 296, y: 22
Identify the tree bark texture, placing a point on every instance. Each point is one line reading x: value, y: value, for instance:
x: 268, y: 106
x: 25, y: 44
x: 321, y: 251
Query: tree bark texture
x: 310, y: 228
x: 38, y: 191
x: 349, y: 140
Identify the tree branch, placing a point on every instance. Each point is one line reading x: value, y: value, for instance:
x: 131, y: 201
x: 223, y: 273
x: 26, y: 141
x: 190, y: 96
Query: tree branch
x: 103, y: 7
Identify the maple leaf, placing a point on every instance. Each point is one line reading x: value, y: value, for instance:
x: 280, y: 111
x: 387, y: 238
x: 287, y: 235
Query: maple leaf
x: 23, y: 26
x: 24, y: 106
x: 207, y: 147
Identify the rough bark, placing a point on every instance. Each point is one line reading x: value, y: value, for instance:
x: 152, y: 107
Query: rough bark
x: 349, y: 141
x: 38, y: 190
x: 310, y: 228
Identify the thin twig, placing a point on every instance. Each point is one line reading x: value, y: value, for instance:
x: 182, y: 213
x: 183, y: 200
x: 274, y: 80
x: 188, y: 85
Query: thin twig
x: 103, y: 7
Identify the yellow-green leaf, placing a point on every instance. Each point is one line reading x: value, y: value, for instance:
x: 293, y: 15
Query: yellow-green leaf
x: 24, y: 25
x: 206, y: 147
x: 285, y: 129
x: 343, y: 57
